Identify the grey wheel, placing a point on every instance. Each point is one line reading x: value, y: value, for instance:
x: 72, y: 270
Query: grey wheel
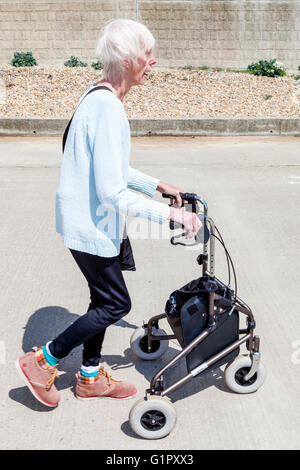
x: 153, y: 418
x: 236, y: 371
x: 139, y: 344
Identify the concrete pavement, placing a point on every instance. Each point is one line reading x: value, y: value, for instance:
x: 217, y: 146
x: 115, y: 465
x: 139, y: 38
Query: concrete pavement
x: 252, y: 186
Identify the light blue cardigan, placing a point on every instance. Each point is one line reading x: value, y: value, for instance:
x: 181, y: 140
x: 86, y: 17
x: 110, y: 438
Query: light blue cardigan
x: 93, y: 195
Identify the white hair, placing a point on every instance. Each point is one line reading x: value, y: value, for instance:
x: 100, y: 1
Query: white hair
x: 122, y: 40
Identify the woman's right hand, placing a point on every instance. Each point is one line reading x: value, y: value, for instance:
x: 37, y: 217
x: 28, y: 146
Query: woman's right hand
x: 189, y: 220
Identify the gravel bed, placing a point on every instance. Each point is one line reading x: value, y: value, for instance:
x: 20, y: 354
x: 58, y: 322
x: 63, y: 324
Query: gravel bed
x: 51, y: 91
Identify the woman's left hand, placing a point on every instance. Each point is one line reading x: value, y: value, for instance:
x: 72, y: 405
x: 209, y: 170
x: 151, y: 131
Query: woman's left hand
x: 172, y: 190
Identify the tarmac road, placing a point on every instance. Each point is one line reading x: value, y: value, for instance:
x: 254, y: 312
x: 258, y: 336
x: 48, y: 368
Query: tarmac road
x: 252, y: 187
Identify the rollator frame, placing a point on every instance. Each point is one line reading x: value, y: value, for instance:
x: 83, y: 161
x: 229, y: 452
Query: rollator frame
x: 252, y: 342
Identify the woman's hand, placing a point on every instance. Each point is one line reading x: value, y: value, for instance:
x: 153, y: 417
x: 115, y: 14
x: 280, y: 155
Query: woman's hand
x: 189, y: 220
x: 172, y: 190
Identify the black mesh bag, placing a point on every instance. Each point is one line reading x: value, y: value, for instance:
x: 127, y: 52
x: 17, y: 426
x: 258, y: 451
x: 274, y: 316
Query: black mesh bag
x: 187, y: 314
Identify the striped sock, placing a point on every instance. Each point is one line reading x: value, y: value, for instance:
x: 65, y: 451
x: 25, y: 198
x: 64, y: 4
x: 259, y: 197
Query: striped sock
x: 88, y: 374
x: 45, y: 358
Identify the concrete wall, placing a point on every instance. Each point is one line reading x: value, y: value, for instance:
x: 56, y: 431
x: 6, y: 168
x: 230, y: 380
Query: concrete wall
x: 224, y: 33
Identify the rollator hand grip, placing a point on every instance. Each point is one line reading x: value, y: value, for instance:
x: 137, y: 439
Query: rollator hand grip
x: 189, y: 197
x: 189, y: 203
x: 191, y: 206
x: 173, y: 225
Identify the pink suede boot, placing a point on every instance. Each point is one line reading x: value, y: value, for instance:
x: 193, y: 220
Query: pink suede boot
x: 40, y: 381
x: 103, y: 387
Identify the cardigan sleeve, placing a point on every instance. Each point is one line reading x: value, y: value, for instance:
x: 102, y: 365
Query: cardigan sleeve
x: 105, y: 139
x: 140, y: 182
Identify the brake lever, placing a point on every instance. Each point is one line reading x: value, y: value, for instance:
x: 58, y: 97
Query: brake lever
x: 190, y: 206
x: 201, y: 237
x: 191, y: 199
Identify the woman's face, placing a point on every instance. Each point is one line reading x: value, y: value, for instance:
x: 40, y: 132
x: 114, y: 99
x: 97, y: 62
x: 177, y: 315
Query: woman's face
x: 138, y: 73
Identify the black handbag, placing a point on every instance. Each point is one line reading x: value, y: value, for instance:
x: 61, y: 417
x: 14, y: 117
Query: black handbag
x: 126, y: 256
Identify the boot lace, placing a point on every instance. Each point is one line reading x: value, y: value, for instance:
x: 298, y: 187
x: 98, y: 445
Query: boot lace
x: 54, y: 375
x: 102, y: 371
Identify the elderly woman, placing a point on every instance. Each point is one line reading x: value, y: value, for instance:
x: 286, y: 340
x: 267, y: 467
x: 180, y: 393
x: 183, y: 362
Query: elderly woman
x: 93, y: 197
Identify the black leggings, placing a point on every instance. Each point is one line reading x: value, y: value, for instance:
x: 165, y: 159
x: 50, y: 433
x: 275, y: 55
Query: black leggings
x: 110, y: 301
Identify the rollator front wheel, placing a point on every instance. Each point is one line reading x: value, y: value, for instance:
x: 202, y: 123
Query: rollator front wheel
x: 139, y: 344
x: 236, y: 371
x: 153, y: 418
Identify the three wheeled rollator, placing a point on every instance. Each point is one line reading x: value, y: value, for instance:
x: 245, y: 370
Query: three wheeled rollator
x: 204, y: 316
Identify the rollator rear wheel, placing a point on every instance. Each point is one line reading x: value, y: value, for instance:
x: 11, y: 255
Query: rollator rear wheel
x: 139, y: 344
x: 153, y: 418
x: 236, y: 371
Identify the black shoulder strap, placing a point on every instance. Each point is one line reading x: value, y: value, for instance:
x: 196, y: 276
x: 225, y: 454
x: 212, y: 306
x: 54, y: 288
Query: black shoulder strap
x: 69, y: 123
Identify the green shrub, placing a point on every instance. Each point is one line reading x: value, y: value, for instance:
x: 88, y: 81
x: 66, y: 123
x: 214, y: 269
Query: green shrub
x: 268, y: 68
x: 23, y: 59
x: 298, y: 76
x: 97, y: 65
x: 75, y: 62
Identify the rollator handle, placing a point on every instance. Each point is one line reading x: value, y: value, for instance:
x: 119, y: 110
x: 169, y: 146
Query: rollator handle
x: 191, y: 206
x: 173, y: 225
x: 189, y: 197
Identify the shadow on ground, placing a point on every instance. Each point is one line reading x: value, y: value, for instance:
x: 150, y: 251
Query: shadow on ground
x: 47, y: 322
